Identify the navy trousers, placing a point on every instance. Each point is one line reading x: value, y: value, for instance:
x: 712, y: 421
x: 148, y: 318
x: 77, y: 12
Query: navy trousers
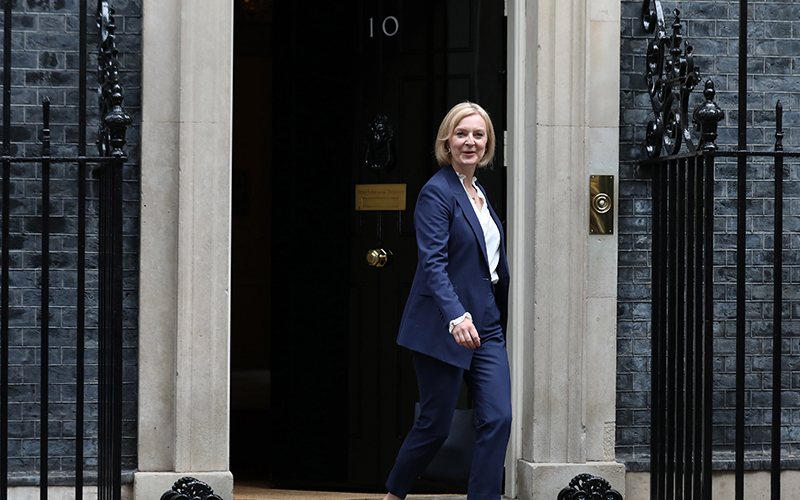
x: 489, y: 384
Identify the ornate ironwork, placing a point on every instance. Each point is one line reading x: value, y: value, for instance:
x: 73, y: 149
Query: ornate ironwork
x: 671, y: 76
x: 380, y: 144
x: 115, y: 121
x: 189, y: 488
x: 589, y: 487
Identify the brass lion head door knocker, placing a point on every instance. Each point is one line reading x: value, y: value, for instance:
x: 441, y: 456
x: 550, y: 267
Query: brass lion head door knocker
x: 380, y: 145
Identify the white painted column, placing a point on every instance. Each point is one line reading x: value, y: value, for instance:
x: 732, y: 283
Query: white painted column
x: 185, y: 250
x: 564, y: 115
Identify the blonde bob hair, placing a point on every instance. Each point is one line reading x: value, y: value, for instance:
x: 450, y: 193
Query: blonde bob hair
x: 449, y: 124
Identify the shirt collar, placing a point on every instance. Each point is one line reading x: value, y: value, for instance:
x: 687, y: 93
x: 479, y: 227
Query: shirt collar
x: 461, y: 177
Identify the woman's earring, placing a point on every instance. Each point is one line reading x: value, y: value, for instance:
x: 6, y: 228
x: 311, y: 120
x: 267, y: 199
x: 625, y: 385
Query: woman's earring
x: 447, y: 149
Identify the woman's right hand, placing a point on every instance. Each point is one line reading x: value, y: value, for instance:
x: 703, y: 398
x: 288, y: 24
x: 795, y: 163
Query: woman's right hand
x: 466, y: 334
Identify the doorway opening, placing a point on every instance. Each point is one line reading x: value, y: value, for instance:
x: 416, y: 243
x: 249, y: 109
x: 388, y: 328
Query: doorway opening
x: 321, y: 396
x: 251, y: 249
x: 289, y: 351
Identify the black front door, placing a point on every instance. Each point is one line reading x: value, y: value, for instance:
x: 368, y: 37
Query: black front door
x: 418, y: 59
x: 342, y: 392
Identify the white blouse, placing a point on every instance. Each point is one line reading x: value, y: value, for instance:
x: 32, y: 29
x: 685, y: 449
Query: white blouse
x: 490, y: 234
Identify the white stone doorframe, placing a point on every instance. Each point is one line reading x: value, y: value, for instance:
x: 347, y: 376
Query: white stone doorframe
x: 185, y: 246
x: 563, y: 118
x: 563, y: 126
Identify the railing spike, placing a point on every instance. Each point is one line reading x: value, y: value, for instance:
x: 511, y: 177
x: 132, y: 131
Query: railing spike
x: 779, y: 126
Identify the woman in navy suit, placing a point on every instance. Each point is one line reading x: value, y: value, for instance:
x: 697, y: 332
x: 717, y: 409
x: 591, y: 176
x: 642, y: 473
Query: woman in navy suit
x: 455, y: 318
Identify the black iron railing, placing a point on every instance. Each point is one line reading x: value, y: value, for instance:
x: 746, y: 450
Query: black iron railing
x: 683, y: 313
x: 107, y: 168
x: 682, y: 333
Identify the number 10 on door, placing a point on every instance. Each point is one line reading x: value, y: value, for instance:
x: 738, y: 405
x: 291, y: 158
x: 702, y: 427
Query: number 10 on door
x: 390, y: 26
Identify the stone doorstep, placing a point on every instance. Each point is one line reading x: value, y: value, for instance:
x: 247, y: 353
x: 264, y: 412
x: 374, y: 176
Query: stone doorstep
x: 250, y: 492
x: 423, y: 497
x: 271, y: 494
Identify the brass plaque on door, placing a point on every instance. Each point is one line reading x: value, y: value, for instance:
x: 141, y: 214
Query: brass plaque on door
x: 380, y: 196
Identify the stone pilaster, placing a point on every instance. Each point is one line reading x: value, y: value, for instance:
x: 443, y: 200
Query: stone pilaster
x: 185, y: 273
x: 564, y: 83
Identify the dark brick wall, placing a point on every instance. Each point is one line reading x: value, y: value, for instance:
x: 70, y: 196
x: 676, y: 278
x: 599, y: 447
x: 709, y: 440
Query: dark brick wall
x: 45, y: 57
x: 774, y: 68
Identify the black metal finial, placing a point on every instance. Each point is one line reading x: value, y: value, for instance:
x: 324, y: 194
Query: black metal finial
x: 779, y: 126
x: 117, y: 122
x: 589, y: 487
x: 706, y: 117
x: 709, y: 91
x: 189, y: 488
x: 45, y: 133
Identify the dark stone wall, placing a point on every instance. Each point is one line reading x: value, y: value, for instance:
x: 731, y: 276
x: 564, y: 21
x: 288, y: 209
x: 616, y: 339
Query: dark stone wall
x: 774, y: 74
x: 45, y: 62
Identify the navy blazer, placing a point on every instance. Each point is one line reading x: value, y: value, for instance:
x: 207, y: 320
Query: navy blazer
x: 452, y: 275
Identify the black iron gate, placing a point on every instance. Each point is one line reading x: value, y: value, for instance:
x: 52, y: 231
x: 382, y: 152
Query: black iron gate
x: 103, y: 173
x: 683, y: 300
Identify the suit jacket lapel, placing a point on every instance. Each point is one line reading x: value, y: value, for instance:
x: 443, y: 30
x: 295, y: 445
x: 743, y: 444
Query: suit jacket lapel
x: 466, y: 207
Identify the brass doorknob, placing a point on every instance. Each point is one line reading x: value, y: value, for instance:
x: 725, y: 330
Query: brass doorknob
x: 378, y: 257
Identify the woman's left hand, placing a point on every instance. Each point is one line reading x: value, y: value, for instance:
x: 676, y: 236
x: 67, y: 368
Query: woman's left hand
x: 466, y: 334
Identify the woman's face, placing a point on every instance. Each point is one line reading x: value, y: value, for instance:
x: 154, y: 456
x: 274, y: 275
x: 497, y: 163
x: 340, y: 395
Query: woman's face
x: 468, y: 142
